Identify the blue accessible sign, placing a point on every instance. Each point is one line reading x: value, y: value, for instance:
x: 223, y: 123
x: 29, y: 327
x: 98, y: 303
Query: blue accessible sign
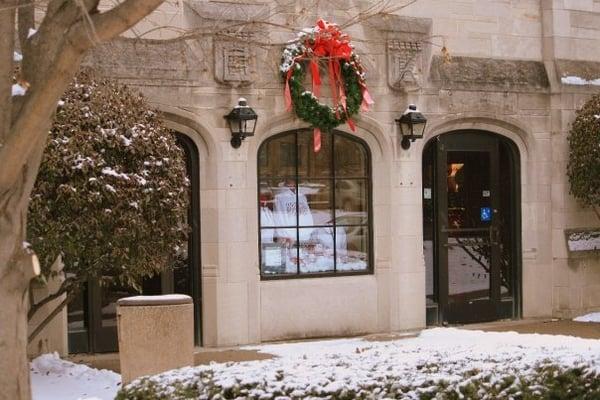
x: 486, y: 214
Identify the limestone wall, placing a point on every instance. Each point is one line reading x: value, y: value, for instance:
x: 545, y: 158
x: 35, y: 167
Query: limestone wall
x: 504, y: 77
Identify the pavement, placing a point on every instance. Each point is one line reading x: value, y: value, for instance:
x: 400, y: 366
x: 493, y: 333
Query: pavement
x: 588, y: 330
x: 235, y: 354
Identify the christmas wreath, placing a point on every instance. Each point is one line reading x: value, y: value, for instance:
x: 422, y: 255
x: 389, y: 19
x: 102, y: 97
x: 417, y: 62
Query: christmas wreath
x: 324, y: 43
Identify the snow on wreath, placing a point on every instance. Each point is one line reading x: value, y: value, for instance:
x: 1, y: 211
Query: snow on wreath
x: 325, y: 42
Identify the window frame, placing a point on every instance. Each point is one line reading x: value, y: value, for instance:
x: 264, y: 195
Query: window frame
x: 369, y: 187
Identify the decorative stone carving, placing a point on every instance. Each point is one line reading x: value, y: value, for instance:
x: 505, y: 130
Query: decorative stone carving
x: 404, y: 64
x: 408, y: 50
x: 234, y: 59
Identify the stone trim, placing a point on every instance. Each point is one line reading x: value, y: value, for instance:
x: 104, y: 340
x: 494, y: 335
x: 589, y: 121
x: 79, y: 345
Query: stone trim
x: 471, y: 73
x: 588, y: 70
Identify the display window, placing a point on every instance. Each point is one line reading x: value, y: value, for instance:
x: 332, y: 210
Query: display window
x: 314, y: 207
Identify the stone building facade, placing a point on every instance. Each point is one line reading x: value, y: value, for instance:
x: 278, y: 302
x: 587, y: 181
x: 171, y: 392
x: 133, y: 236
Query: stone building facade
x: 508, y: 74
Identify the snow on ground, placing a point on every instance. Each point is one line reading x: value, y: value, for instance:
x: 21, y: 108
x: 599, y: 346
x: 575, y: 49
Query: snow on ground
x: 435, y: 353
x: 593, y: 317
x: 56, y: 379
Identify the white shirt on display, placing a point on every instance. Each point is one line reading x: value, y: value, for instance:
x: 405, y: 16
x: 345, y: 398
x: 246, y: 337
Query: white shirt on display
x: 285, y: 208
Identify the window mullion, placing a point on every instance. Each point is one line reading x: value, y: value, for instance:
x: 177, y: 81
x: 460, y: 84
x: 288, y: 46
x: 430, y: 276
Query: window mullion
x: 297, y: 207
x: 333, y: 204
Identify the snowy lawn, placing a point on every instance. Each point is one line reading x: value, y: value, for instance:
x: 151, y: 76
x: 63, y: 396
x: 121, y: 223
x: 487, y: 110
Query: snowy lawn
x: 444, y: 362
x: 56, y: 379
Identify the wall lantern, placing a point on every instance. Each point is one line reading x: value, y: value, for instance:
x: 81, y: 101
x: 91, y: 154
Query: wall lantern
x: 242, y: 122
x: 412, y: 125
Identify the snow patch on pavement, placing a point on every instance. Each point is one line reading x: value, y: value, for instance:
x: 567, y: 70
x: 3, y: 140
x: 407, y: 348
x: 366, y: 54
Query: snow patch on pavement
x: 592, y: 317
x: 56, y: 379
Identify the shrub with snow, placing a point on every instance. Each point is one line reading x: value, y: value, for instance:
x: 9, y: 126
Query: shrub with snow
x: 583, y: 169
x: 111, y: 195
x: 544, y: 381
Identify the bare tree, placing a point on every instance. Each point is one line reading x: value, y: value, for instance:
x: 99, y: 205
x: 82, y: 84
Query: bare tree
x: 51, y: 57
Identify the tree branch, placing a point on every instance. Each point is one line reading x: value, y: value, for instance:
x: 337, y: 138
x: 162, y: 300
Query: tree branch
x: 122, y: 17
x: 39, y: 104
x: 64, y: 287
x: 7, y: 32
x: 48, y: 319
x: 26, y: 21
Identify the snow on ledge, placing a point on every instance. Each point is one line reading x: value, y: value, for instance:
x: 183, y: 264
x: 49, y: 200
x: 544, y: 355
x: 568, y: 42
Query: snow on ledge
x: 583, y: 241
x: 578, y: 81
x: 592, y: 317
x: 161, y: 300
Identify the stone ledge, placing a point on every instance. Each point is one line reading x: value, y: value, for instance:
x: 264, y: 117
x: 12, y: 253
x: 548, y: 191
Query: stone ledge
x: 586, y: 70
x: 146, y: 58
x: 583, y: 242
x: 470, y: 73
x: 160, y: 300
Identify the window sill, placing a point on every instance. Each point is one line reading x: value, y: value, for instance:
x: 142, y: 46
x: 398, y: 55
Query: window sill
x: 315, y: 275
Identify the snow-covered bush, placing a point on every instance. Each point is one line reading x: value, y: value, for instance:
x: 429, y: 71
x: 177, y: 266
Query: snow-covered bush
x: 545, y: 381
x: 584, y: 155
x: 111, y: 195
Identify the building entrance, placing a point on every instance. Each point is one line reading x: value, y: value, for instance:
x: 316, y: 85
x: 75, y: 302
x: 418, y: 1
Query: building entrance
x: 470, y: 221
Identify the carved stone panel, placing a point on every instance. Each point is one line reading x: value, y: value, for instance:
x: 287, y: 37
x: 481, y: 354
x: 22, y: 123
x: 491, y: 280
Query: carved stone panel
x: 405, y: 60
x: 234, y: 60
x: 408, y: 50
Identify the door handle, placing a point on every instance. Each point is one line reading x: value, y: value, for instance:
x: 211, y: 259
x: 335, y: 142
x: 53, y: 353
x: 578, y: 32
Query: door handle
x: 494, y: 235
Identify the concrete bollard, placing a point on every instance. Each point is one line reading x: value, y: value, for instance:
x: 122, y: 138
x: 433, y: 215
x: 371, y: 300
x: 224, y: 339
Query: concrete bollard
x: 156, y: 334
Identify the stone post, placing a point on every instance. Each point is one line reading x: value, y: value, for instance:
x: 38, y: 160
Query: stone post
x: 156, y: 334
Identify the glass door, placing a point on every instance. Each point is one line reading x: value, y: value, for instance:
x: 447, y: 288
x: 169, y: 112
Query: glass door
x: 468, y: 247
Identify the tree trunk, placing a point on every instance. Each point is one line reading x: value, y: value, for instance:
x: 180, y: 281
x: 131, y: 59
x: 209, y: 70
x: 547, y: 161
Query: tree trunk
x: 14, y: 379
x: 18, y: 265
x: 51, y: 58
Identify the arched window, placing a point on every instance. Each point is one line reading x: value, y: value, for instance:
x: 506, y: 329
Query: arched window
x: 314, y: 207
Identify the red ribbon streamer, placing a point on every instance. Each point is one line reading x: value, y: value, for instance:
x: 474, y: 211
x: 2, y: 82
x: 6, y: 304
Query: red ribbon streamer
x: 367, y: 100
x: 316, y: 140
x: 351, y: 124
x: 316, y: 77
x: 286, y: 93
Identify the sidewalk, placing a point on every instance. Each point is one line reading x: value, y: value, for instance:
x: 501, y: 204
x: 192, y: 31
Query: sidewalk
x: 202, y: 356
x: 207, y: 355
x: 587, y: 330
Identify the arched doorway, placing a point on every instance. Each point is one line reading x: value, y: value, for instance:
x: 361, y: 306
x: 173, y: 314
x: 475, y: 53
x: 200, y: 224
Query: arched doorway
x: 471, y: 227
x: 92, y: 319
